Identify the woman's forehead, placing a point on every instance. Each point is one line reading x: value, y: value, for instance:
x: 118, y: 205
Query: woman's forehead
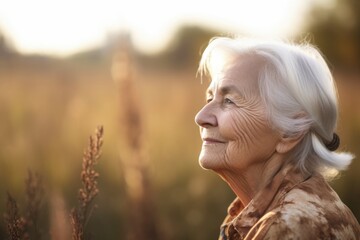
x: 242, y: 73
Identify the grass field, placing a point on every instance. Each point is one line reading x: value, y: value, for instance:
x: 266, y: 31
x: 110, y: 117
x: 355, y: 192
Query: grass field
x: 49, y: 108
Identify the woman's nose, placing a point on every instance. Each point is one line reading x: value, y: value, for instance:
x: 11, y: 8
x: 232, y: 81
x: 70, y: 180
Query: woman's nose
x: 206, y: 117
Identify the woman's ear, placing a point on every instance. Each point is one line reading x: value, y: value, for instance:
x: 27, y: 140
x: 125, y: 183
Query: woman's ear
x: 287, y: 143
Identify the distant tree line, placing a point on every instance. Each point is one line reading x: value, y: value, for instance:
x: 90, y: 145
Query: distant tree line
x: 183, y: 51
x: 336, y: 31
x: 6, y: 48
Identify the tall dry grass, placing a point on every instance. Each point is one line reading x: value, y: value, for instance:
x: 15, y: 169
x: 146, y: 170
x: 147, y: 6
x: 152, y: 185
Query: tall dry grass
x: 15, y: 223
x: 89, y: 190
x: 34, y: 190
x: 141, y: 218
x: 25, y: 226
x: 47, y: 109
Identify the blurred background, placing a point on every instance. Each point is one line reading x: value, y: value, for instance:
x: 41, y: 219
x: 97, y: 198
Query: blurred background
x: 69, y: 66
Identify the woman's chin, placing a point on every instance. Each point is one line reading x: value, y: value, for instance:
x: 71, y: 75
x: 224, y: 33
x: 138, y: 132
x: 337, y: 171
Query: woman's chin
x: 209, y: 164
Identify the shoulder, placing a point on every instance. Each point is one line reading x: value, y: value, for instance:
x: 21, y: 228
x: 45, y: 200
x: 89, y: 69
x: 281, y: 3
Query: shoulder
x: 309, y: 213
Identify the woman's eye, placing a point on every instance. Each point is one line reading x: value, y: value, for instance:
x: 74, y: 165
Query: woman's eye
x: 228, y: 101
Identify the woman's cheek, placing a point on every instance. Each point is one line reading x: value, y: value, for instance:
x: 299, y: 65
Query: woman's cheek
x: 244, y: 127
x: 234, y: 127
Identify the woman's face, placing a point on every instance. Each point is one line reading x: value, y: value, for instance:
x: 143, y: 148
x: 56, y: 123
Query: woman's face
x: 233, y: 123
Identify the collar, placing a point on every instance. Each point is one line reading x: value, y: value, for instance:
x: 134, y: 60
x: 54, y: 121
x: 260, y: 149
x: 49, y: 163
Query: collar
x: 243, y: 218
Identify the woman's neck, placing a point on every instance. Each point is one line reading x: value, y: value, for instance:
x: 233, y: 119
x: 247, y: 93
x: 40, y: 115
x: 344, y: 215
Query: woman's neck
x: 245, y: 183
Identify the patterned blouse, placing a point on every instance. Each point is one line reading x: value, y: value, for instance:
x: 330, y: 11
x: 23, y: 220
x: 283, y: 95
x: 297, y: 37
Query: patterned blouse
x: 291, y: 207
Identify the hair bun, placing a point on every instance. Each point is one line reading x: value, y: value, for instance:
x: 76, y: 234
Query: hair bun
x: 334, y: 144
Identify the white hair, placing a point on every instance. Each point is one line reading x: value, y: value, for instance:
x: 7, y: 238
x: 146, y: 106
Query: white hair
x: 299, y: 92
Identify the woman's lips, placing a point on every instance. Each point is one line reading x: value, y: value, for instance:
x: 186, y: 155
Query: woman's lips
x: 208, y: 141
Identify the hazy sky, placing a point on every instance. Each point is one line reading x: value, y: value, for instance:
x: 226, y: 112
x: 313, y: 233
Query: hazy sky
x: 66, y: 26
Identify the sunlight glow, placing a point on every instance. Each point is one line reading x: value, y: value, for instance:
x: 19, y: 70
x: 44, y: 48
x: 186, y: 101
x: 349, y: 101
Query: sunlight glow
x: 64, y: 27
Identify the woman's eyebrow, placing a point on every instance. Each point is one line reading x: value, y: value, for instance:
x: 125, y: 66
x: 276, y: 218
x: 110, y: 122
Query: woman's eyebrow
x: 225, y: 90
x: 229, y: 89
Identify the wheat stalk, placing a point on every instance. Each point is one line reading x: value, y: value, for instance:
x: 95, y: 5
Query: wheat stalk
x: 34, y: 192
x: 20, y: 227
x: 81, y: 215
x: 16, y: 225
x: 141, y: 215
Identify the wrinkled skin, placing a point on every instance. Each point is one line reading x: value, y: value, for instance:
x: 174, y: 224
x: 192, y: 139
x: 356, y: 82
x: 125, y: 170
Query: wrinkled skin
x: 238, y: 141
x: 274, y: 199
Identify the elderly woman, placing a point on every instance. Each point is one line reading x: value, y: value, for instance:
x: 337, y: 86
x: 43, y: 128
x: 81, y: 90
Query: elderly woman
x: 268, y: 130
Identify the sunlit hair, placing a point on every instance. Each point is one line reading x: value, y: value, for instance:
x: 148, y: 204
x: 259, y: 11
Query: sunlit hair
x: 299, y: 92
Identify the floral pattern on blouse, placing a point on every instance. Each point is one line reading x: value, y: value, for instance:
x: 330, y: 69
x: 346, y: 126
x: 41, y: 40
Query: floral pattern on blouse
x: 291, y: 206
